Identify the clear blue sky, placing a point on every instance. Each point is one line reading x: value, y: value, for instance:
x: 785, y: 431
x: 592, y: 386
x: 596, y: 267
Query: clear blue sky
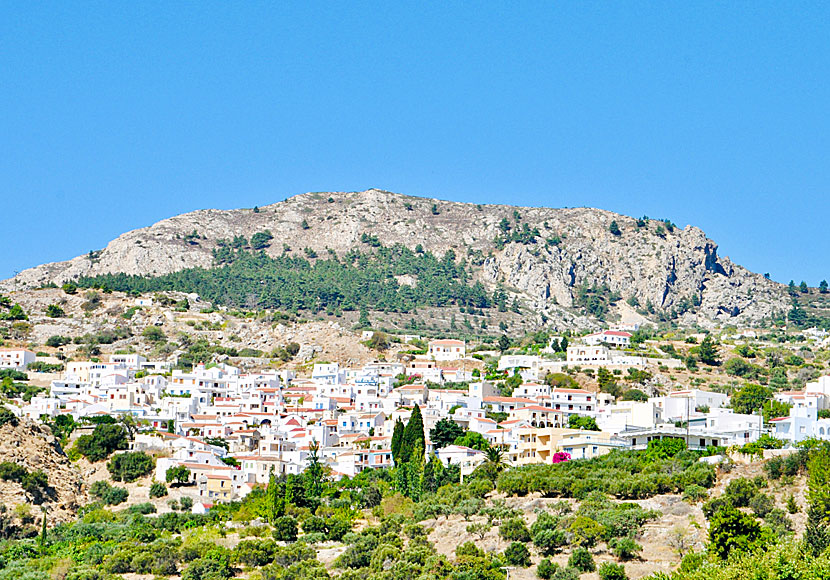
x: 114, y: 115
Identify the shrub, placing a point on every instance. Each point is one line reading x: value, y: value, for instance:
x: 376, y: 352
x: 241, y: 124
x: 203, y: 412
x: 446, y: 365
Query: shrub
x: 208, y: 569
x: 468, y: 549
x: 740, y: 492
x: 625, y: 548
x: 517, y: 554
x: 607, y: 571
x: 186, y: 503
x: 285, y: 529
x: 157, y: 490
x: 514, y: 530
x: 552, y: 571
x: 7, y: 417
x: 107, y: 493
x: 130, y: 466
x: 105, y: 439
x: 582, y: 560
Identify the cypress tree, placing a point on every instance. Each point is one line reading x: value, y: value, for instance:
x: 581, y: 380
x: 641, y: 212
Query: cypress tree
x: 413, y: 436
x: 397, y: 439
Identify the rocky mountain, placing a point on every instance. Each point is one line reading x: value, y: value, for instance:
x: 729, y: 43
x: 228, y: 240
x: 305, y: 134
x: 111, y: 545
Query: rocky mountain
x: 545, y: 257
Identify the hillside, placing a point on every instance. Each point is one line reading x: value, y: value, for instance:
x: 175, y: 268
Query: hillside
x: 563, y: 264
x: 33, y: 448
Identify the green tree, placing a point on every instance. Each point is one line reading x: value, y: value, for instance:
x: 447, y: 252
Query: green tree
x: 817, y: 531
x: 55, y: 311
x: 610, y: 571
x: 750, y: 398
x: 130, y: 466
x: 707, y: 352
x: 517, y: 554
x: 582, y: 560
x: 413, y: 436
x: 614, y: 228
x: 582, y: 422
x: 397, y: 440
x: 473, y: 440
x: 105, y: 439
x: 803, y: 287
x: 178, y: 474
x: 731, y: 529
x: 504, y: 343
x: 445, y: 432
x: 154, y: 334
x: 822, y: 287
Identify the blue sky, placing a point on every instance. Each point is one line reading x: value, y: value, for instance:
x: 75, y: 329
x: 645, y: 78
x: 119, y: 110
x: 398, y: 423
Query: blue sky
x: 114, y: 115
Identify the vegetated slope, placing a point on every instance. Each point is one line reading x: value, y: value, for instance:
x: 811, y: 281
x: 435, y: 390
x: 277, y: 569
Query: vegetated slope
x: 31, y: 448
x: 562, y: 263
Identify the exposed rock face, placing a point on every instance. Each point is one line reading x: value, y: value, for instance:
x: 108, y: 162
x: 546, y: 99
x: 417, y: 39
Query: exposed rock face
x: 34, y: 447
x: 654, y: 265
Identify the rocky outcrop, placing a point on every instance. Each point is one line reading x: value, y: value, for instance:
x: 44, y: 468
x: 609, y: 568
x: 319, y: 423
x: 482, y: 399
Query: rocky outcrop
x: 659, y: 266
x: 33, y: 446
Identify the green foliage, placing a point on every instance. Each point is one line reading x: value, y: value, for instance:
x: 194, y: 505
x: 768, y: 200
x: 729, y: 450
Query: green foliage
x: 178, y: 474
x: 285, y: 529
x: 445, y: 432
x: 157, y: 489
x: 750, y: 398
x: 625, y: 474
x: 517, y: 554
x: 154, y: 334
x: 130, y: 466
x: 357, y: 280
x: 105, y: 439
x: 611, y: 571
x: 261, y: 240
x: 55, y: 311
x: 107, y: 493
x: 625, y: 548
x: 514, y: 530
x: 582, y: 560
x: 7, y: 417
x: 614, y: 228
x: 596, y: 300
x: 707, y: 352
x: 582, y: 422
x: 731, y: 529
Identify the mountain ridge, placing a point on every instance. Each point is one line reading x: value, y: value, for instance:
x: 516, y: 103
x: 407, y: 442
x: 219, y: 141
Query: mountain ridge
x: 545, y: 257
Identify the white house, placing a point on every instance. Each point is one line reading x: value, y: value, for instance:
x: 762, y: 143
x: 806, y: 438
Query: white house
x: 612, y: 337
x: 447, y: 349
x: 16, y: 358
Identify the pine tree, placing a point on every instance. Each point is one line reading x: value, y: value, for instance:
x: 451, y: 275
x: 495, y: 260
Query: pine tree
x: 397, y: 439
x: 314, y: 472
x: 822, y: 287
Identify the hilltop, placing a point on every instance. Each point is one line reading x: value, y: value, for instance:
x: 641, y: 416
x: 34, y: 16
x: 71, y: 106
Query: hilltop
x: 565, y: 266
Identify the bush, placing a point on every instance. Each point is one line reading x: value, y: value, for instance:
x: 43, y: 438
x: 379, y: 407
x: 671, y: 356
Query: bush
x: 582, y: 560
x: 105, y: 439
x: 208, y: 569
x: 130, y: 466
x: 517, y: 554
x: 157, y: 490
x: 107, y: 493
x: 514, y: 530
x: 7, y: 417
x: 625, y: 548
x: 609, y: 571
x: 552, y: 571
x: 186, y: 503
x: 285, y: 529
x: 740, y: 492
